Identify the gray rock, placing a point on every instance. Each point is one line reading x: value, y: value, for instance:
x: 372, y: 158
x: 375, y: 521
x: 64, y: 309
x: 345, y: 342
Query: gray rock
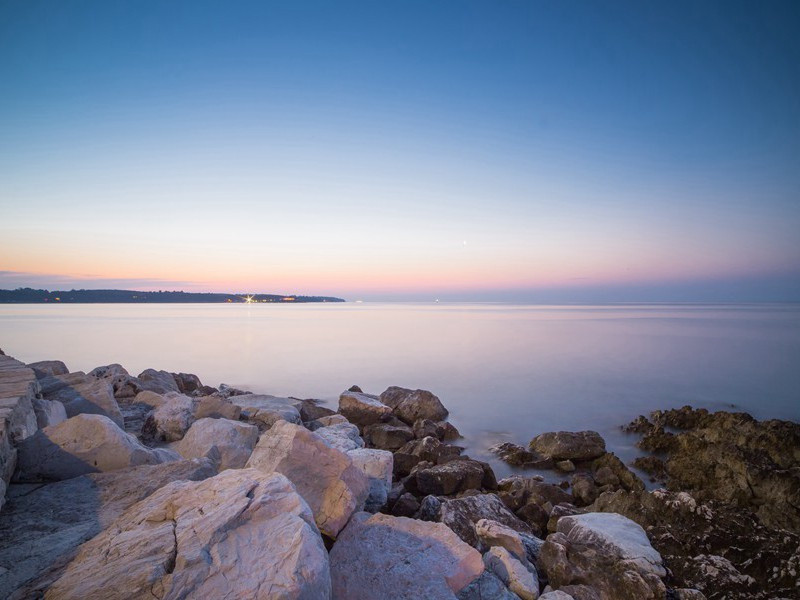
x: 342, y: 436
x: 82, y: 394
x: 412, y: 405
x: 265, y: 410
x: 48, y: 412
x: 377, y: 466
x: 461, y: 515
x: 158, y: 381
x: 170, y: 421
x: 487, y: 587
x: 46, y: 368
x: 450, y: 478
x: 362, y: 409
x: 569, y: 445
x: 518, y: 577
x: 387, y: 436
x: 230, y: 442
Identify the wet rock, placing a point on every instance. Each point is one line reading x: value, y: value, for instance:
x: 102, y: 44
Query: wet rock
x: 388, y: 437
x: 362, y: 409
x: 518, y: 491
x: 82, y: 394
x: 569, y: 445
x: 224, y: 537
x: 565, y: 466
x: 461, y: 515
x: 82, y: 444
x: 380, y: 556
x: 653, y: 466
x: 430, y: 449
x: 326, y: 478
x: 448, y: 431
x: 412, y: 405
x: 426, y: 428
x: 608, y: 550
x: 229, y: 442
x: 626, y: 479
x: 518, y: 577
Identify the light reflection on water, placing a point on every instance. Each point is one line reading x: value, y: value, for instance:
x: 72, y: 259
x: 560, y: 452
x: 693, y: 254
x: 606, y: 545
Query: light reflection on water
x: 506, y: 372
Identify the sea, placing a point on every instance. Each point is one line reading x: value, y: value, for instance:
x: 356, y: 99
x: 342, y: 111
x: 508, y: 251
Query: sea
x: 506, y: 372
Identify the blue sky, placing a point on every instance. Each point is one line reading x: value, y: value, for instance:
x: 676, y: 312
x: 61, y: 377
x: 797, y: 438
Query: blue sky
x: 461, y: 150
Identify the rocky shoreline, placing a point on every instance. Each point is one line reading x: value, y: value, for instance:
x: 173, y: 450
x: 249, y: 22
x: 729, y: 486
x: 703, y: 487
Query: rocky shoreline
x: 157, y: 486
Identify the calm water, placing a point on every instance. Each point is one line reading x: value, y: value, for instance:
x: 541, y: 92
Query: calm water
x: 505, y: 372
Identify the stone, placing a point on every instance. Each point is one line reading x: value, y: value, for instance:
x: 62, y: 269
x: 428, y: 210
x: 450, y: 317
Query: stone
x: 123, y: 384
x: 311, y: 410
x: 82, y: 394
x: 187, y: 382
x: 381, y: 556
x: 608, y: 550
x: 430, y: 509
x: 158, y: 381
x: 462, y: 514
x: 555, y: 595
x: 566, y: 466
x: 491, y: 533
x: 427, y: 449
x: 448, y: 431
x: 362, y: 409
x: 486, y: 587
x: 406, y: 505
x: 584, y: 489
x: 518, y: 491
x: 412, y: 405
x: 519, y: 578
x: 41, y: 530
x: 265, y: 410
x: 231, y: 442
x: 170, y: 421
x: 517, y: 456
x: 342, y: 436
x: 377, y: 466
x: 215, y: 407
x: 326, y: 478
x: 223, y: 537
x: 82, y: 444
x: 46, y: 368
x: 450, y: 478
x: 425, y: 428
x: 388, y: 437
x: 569, y: 445
x: 48, y: 412
x: 609, y: 468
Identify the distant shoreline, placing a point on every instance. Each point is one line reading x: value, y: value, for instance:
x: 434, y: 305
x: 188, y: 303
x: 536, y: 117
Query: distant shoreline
x: 32, y: 296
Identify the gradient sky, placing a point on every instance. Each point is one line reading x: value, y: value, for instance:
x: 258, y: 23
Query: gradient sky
x: 544, y: 151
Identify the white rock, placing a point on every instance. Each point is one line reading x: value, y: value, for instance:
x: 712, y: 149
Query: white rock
x: 380, y: 556
x: 342, y: 436
x: 493, y: 533
x: 170, y: 421
x: 555, y: 595
x: 231, y: 441
x: 520, y: 579
x: 82, y: 444
x: 48, y: 412
x: 333, y: 487
x: 243, y: 534
x: 377, y: 466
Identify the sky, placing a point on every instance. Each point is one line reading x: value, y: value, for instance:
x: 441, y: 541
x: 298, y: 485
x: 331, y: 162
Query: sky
x: 508, y: 151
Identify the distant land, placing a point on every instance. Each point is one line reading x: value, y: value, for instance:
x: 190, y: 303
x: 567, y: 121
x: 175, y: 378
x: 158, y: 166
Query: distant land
x: 32, y: 296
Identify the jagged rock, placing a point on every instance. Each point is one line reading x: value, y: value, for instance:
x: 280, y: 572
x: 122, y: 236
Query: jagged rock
x: 388, y: 437
x: 569, y: 445
x: 48, y: 412
x: 565, y: 509
x: 170, y: 421
x: 362, y: 409
x: 230, y: 442
x: 461, y: 515
x: 486, y: 587
x: 450, y: 478
x: 226, y: 391
x: 215, y: 407
x: 518, y: 456
x: 406, y: 505
x: 342, y: 436
x: 608, y: 550
x: 377, y: 466
x: 122, y: 383
x: 82, y: 394
x: 584, y: 489
x: 491, y: 533
x: 82, y: 444
x: 158, y: 381
x: 326, y: 478
x: 411, y: 405
x: 520, y: 578
x: 426, y: 428
x: 609, y: 469
x: 334, y: 419
x: 430, y: 509
x: 653, y: 466
x: 40, y: 530
x: 380, y: 556
x: 448, y: 431
x: 264, y: 410
x: 310, y: 410
x: 427, y: 449
x: 224, y: 537
x: 47, y: 368
x: 187, y: 382
x: 517, y: 491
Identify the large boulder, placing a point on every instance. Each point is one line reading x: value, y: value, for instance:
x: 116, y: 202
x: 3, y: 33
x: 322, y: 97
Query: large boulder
x: 521, y: 578
x: 48, y: 412
x: 450, y: 478
x: 47, y: 368
x: 362, y: 409
x: 326, y: 477
x: 216, y: 407
x: 229, y: 442
x: 387, y: 436
x: 342, y: 436
x: 488, y: 587
x: 187, y: 383
x: 380, y: 556
x: 82, y: 394
x: 82, y: 444
x: 170, y: 421
x: 609, y: 552
x: 265, y: 410
x: 158, y: 381
x: 462, y: 515
x: 569, y: 445
x: 125, y: 386
x: 241, y: 534
x: 411, y: 405
x: 377, y: 466
x: 42, y: 528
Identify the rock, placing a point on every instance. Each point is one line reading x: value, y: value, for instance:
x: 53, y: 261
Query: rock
x: 406, y: 506
x: 565, y: 509
x: 520, y: 579
x: 334, y: 419
x: 568, y: 445
x: 47, y: 368
x: 555, y: 595
x: 425, y: 428
x: 566, y: 466
x: 226, y: 391
x: 342, y: 436
x: 461, y: 515
x: 264, y: 410
x: 158, y: 381
x: 430, y: 509
x: 122, y: 383
x: 608, y: 550
x: 653, y: 466
x: 187, y: 382
x: 82, y: 394
x: 153, y: 400
x: 224, y: 537
x: 517, y: 491
x: 491, y: 533
x: 450, y: 478
x: 609, y: 467
x: 411, y: 405
x: 447, y: 431
x: 684, y: 594
x: 48, y: 412
x: 377, y: 466
x: 170, y: 421
x: 362, y: 409
x: 215, y: 407
x: 584, y: 489
x: 486, y: 587
x: 326, y: 478
x: 82, y: 444
x: 517, y: 456
x: 380, y: 556
x: 231, y: 442
x: 310, y: 410
x: 41, y: 530
x: 427, y: 449
x: 388, y: 437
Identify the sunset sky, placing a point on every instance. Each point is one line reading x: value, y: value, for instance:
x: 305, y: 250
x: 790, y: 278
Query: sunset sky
x: 518, y: 151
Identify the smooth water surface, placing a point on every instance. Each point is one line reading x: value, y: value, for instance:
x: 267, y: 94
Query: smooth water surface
x: 505, y: 372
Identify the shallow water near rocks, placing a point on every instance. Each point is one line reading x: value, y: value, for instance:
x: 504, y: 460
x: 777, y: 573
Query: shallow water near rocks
x: 505, y: 372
